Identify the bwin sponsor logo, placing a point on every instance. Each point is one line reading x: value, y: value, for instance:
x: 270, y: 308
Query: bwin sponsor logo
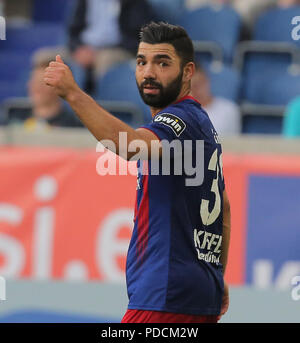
x: 172, y: 121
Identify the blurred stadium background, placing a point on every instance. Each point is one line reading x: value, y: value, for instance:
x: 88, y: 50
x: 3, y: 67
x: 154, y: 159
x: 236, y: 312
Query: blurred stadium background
x: 64, y: 229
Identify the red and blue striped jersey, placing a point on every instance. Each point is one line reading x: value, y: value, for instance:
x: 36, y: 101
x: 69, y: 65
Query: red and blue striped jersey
x: 173, y: 262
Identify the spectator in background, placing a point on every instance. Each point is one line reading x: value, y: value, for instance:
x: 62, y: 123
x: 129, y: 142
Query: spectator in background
x: 251, y: 9
x: 105, y: 32
x: 18, y: 11
x: 47, y: 109
x: 288, y: 3
x: 291, y: 119
x: 224, y: 114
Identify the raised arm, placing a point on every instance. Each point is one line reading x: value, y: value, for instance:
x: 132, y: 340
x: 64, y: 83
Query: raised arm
x: 102, y: 124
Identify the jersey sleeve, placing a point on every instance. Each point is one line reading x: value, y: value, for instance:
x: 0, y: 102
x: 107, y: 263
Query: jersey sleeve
x: 169, y: 126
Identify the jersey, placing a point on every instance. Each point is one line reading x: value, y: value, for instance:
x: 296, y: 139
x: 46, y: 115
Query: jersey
x: 173, y: 261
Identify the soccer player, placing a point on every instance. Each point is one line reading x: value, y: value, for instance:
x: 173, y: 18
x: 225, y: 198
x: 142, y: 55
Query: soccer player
x: 178, y: 251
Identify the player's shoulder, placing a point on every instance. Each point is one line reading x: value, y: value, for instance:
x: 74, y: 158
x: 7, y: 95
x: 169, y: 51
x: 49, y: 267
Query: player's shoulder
x: 186, y: 118
x: 186, y: 109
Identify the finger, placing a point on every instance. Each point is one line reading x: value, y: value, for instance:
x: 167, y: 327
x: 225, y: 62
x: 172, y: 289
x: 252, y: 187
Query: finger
x: 56, y: 64
x: 49, y: 81
x: 50, y: 69
x: 50, y: 74
x: 59, y: 59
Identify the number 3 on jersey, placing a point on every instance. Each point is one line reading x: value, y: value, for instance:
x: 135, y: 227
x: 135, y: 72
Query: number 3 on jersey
x: 207, y: 217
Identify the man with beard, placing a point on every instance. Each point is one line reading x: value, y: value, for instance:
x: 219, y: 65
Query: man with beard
x: 178, y: 251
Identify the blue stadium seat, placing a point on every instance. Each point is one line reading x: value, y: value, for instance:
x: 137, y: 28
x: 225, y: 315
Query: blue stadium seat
x: 276, y: 25
x: 52, y: 11
x: 168, y: 10
x: 262, y: 124
x: 119, y: 84
x: 218, y: 24
x: 9, y: 89
x: 27, y: 38
x: 282, y: 91
x: 17, y: 66
x: 225, y: 82
x: 261, y: 69
x: 79, y: 72
x: 272, y: 88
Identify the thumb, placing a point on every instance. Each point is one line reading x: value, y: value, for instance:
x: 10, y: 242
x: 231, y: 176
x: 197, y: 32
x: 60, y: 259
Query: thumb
x: 59, y: 59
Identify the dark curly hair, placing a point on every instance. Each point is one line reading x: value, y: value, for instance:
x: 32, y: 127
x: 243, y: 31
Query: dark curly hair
x: 161, y: 32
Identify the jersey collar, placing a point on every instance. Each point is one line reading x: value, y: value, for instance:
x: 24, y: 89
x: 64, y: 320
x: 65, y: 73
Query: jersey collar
x: 187, y: 97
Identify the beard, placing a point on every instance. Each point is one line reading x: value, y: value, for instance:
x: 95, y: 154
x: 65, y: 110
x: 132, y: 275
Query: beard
x: 165, y: 96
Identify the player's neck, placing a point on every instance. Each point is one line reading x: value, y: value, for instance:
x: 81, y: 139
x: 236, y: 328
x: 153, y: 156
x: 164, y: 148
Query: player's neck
x: 184, y: 92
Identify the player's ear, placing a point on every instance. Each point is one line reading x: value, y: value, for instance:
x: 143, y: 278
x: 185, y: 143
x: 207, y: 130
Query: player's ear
x: 188, y: 71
